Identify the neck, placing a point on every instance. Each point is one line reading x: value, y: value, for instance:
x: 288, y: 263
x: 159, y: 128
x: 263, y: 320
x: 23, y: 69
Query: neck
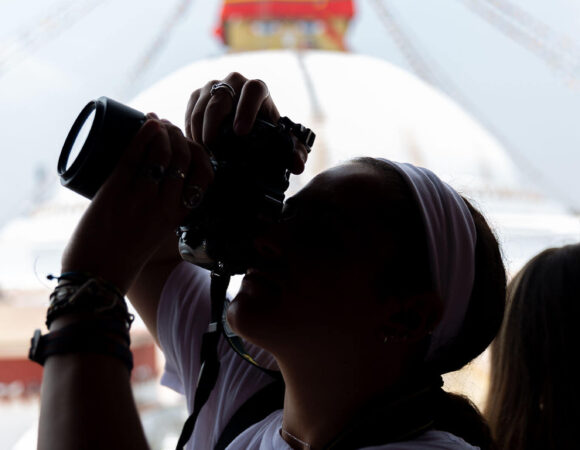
x: 323, y: 397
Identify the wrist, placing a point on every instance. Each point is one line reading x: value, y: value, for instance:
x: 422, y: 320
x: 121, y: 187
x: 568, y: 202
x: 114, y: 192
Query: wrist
x: 80, y: 295
x: 81, y: 338
x: 120, y: 278
x: 86, y: 315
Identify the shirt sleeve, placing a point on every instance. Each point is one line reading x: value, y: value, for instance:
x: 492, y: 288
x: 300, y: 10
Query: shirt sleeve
x: 182, y: 318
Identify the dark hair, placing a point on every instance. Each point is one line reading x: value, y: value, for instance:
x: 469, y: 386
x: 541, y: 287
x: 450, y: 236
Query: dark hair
x: 409, y: 273
x: 534, y: 391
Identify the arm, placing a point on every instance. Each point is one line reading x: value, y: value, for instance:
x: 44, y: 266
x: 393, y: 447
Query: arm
x: 87, y: 402
x: 126, y: 238
x: 145, y: 292
x: 86, y: 399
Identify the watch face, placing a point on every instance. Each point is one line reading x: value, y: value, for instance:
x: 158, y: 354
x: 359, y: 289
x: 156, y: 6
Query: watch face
x: 33, y: 353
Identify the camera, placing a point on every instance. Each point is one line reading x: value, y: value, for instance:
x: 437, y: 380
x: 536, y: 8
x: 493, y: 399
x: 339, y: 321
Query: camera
x: 251, y: 178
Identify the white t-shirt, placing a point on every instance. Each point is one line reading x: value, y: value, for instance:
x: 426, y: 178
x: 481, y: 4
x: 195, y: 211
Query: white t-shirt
x: 182, y: 318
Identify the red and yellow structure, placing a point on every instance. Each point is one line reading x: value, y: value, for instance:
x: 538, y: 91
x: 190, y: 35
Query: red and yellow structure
x: 247, y: 25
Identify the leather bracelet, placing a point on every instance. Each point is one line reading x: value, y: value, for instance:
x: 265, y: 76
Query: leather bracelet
x: 75, y: 339
x: 83, y: 294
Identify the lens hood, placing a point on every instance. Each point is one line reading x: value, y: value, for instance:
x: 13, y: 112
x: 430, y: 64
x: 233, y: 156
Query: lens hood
x: 114, y: 126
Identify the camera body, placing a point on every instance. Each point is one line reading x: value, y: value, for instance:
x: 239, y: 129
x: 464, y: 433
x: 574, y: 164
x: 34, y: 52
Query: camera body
x: 251, y: 177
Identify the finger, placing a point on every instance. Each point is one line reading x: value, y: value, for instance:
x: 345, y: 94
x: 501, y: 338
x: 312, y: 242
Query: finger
x: 299, y: 157
x: 133, y: 156
x: 254, y: 99
x: 198, y: 112
x: 199, y: 178
x: 155, y: 162
x: 193, y: 98
x: 180, y: 154
x: 221, y: 104
x: 178, y: 168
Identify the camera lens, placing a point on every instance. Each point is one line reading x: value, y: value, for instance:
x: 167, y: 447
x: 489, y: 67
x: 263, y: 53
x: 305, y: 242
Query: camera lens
x: 72, y: 155
x: 80, y: 139
x: 96, y: 141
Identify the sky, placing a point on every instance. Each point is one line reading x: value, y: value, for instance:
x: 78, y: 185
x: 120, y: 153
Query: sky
x: 516, y: 70
x: 56, y: 55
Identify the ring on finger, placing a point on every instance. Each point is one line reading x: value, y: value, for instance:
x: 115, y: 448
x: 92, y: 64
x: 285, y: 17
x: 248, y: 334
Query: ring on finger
x: 222, y: 85
x: 153, y: 172
x: 175, y: 173
x: 192, y: 196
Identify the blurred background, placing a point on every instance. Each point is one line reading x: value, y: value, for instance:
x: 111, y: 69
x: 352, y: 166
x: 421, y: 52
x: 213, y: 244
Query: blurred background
x: 484, y: 92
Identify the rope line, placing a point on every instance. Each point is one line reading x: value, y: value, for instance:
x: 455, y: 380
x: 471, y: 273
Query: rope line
x: 31, y: 37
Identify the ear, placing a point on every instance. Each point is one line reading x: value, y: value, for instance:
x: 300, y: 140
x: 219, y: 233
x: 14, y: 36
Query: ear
x: 412, y: 318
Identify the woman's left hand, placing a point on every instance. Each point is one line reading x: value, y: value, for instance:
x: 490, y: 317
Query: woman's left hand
x: 159, y: 178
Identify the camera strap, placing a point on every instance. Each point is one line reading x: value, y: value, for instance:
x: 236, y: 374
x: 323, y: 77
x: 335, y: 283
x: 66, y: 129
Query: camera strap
x: 210, y: 363
x: 238, y: 346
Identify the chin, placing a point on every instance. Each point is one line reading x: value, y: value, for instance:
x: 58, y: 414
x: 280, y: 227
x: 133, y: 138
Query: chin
x: 254, y: 319
x: 233, y: 313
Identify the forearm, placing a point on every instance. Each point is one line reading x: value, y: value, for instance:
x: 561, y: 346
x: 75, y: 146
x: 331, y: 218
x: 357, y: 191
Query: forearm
x: 86, y: 396
x: 87, y: 403
x: 145, y: 292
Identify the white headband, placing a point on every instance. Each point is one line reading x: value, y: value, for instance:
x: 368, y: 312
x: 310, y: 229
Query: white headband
x: 451, y: 237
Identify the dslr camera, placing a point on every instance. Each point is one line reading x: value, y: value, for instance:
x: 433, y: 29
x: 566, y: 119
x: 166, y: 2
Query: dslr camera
x: 251, y: 177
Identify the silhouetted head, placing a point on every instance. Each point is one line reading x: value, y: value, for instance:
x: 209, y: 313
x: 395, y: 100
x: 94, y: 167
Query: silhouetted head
x: 533, y: 396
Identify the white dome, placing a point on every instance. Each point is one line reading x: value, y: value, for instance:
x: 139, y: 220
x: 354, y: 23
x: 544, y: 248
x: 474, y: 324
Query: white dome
x: 358, y: 106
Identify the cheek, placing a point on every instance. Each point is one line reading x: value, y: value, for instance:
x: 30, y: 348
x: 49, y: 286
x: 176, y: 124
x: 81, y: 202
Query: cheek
x: 321, y: 294
x: 327, y: 292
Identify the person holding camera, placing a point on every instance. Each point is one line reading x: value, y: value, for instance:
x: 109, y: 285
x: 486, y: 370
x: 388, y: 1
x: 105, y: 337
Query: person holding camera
x: 376, y: 279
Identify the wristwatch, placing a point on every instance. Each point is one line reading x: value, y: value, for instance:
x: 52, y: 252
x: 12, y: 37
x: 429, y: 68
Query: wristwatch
x: 83, y: 337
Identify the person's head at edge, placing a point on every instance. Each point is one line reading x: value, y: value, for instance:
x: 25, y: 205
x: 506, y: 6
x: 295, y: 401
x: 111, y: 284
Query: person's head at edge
x: 345, y: 292
x: 532, y: 397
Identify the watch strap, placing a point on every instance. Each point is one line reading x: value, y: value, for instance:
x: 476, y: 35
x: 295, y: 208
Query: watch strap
x: 76, y: 339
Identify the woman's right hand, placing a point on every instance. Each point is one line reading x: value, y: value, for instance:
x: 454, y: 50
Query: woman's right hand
x: 159, y: 179
x: 250, y: 99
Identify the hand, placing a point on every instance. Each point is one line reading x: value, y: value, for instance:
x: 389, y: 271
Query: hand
x: 149, y: 194
x: 205, y: 112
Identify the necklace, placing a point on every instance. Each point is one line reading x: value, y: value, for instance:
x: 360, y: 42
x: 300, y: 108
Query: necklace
x: 285, y: 434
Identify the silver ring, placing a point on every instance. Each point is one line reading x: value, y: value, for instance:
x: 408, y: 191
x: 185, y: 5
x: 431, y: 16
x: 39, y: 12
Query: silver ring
x: 177, y: 174
x: 192, y: 196
x: 153, y: 172
x: 222, y: 85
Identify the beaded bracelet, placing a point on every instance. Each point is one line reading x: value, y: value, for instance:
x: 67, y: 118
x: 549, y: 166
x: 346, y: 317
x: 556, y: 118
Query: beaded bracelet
x: 79, y: 292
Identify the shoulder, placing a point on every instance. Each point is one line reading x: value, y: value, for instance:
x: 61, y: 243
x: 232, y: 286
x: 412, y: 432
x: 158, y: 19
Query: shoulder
x: 430, y: 440
x: 184, y: 281
x: 184, y: 301
x: 182, y: 317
